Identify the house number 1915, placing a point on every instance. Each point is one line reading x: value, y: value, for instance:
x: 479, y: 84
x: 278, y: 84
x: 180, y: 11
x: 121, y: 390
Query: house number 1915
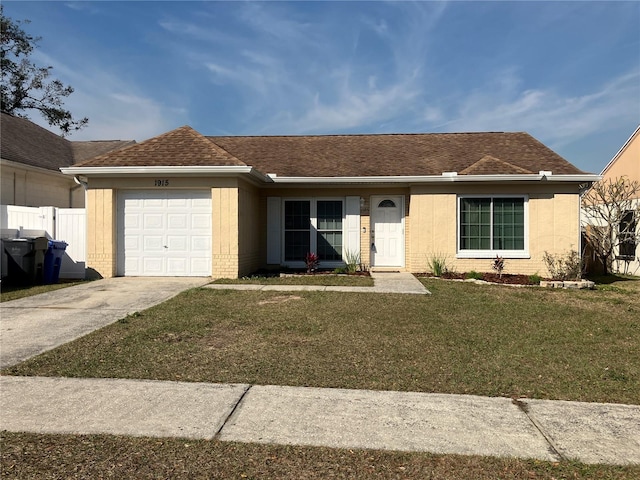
x: 161, y: 183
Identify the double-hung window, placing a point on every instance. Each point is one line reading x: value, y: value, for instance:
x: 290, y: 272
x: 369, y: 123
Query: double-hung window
x: 489, y: 226
x: 627, y: 232
x: 313, y: 225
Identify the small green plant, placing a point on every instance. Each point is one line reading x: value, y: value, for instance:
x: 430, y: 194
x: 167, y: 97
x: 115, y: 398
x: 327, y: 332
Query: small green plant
x: 474, y: 275
x: 340, y: 270
x: 438, y: 264
x: 498, y: 265
x: 534, y: 279
x: 564, y: 266
x: 352, y: 261
x: 311, y: 260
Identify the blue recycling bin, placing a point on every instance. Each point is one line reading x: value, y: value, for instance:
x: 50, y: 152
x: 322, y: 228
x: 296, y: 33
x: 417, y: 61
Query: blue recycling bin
x: 53, y: 261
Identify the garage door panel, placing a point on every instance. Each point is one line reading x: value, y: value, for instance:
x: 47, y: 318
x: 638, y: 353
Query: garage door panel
x: 164, y: 233
x: 153, y: 243
x: 153, y: 266
x: 178, y: 221
x: 199, y: 266
x: 200, y: 244
x: 201, y: 221
x: 178, y: 244
x: 153, y: 220
x: 153, y: 203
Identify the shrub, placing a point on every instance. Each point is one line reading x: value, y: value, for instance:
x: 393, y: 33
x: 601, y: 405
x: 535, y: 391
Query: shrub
x: 498, y: 265
x: 534, y: 279
x: 438, y: 264
x: 564, y: 266
x: 352, y: 260
x: 475, y: 275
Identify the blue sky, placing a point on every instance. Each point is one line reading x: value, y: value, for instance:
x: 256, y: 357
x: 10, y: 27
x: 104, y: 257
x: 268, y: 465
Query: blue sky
x: 566, y: 72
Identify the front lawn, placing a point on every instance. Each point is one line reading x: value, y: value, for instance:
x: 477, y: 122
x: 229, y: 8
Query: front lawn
x: 464, y: 338
x: 26, y: 455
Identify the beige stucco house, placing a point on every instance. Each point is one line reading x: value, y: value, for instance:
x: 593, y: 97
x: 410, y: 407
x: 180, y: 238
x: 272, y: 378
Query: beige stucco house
x: 626, y: 163
x: 184, y: 204
x: 30, y: 162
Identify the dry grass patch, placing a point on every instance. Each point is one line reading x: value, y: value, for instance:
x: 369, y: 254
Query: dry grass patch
x: 27, y: 456
x: 464, y: 338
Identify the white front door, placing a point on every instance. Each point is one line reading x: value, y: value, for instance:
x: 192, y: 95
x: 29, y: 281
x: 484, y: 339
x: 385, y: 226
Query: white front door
x: 164, y: 233
x: 387, y: 231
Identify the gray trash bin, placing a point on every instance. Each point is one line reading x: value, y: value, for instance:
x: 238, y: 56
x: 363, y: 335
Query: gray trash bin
x: 25, y: 259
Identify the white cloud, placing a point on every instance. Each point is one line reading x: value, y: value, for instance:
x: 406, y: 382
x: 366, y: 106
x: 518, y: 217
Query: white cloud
x: 555, y: 118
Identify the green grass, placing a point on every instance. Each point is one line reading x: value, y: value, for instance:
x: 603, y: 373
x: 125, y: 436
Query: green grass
x: 14, y: 292
x: 464, y: 338
x: 326, y: 280
x: 31, y: 456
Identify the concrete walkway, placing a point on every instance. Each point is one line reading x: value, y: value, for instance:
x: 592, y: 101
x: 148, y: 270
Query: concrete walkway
x: 437, y: 423
x: 383, y: 282
x: 460, y: 424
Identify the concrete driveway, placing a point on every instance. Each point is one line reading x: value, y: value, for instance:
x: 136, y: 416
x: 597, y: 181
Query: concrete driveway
x: 32, y: 325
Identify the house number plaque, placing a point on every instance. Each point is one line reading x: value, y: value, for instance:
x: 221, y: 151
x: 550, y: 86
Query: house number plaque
x: 164, y: 182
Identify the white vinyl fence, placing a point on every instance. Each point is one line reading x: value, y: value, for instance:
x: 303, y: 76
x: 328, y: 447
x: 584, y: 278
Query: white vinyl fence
x: 66, y: 224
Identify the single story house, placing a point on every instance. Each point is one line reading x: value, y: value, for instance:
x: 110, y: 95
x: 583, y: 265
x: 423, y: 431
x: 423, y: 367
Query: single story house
x: 30, y: 162
x: 625, y: 163
x: 184, y: 204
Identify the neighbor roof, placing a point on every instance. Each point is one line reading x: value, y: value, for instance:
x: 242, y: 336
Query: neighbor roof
x: 347, y: 155
x: 22, y: 141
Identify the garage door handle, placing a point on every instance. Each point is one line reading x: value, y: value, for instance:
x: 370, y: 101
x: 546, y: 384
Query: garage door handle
x: 166, y: 246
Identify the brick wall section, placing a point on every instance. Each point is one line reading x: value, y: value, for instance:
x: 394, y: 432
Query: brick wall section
x: 101, y: 239
x: 225, y: 232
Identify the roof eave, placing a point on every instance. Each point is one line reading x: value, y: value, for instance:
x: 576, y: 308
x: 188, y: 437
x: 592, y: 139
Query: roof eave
x: 166, y: 170
x: 579, y: 178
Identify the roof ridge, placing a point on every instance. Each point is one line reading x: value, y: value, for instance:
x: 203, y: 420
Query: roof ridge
x: 362, y: 134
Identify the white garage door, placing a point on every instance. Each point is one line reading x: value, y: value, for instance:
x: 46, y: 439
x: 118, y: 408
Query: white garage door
x: 164, y: 233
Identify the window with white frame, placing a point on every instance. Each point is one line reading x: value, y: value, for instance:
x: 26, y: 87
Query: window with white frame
x: 492, y: 225
x: 313, y: 225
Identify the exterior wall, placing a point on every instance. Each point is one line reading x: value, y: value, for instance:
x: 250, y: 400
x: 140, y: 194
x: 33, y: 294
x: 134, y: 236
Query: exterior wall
x: 251, y: 230
x: 239, y: 222
x: 224, y: 204
x: 31, y: 187
x: 101, y: 231
x: 553, y: 226
x: 364, y: 193
x: 627, y: 162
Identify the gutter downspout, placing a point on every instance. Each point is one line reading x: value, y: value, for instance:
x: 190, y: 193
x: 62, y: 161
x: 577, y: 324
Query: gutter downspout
x: 80, y: 183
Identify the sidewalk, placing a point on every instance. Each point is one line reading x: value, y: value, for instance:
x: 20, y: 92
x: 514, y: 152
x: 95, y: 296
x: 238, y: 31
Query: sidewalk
x: 391, y: 282
x: 437, y: 423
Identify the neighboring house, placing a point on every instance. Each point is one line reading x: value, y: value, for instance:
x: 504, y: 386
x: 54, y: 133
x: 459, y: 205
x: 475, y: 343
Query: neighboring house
x: 30, y: 162
x: 626, y: 163
x: 182, y: 204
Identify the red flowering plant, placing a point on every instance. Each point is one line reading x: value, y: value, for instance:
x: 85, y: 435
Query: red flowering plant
x: 311, y: 260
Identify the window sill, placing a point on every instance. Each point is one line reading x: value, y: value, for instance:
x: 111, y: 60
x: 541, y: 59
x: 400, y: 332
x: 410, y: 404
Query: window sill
x: 492, y: 254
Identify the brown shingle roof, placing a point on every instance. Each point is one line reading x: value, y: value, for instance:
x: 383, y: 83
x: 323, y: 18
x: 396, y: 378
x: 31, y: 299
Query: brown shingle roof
x: 180, y: 147
x: 22, y: 141
x: 396, y: 154
x: 25, y: 142
x: 89, y: 149
x: 347, y: 155
x: 488, y: 164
